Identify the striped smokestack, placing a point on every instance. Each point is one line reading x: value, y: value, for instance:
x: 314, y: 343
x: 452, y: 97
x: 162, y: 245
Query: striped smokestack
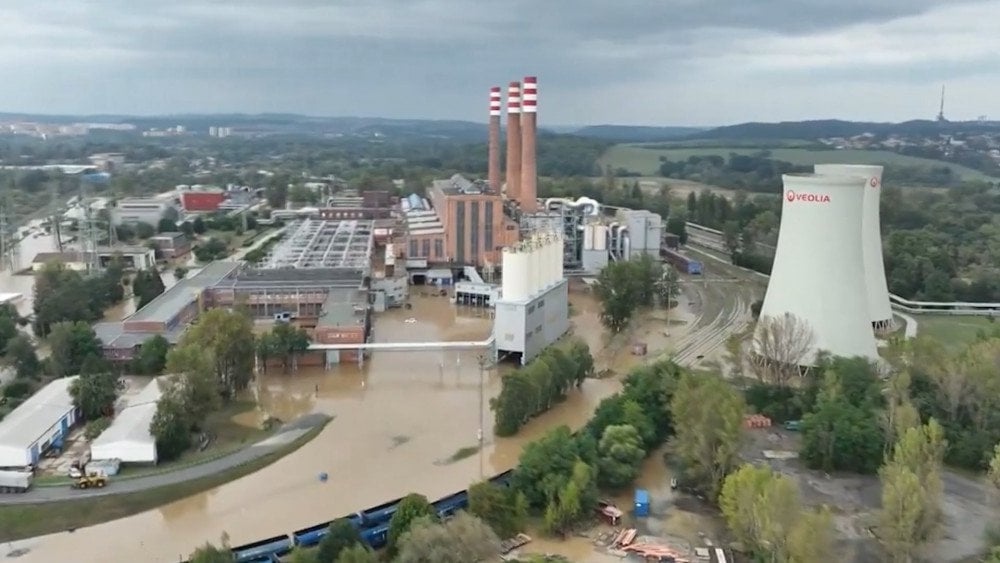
x: 527, y: 189
x: 514, y: 141
x: 493, y: 149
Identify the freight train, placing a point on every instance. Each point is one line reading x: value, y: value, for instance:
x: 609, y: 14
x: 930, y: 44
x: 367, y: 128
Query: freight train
x: 372, y: 524
x: 683, y: 263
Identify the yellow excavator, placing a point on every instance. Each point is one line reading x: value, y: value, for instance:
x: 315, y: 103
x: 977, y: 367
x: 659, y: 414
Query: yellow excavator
x: 93, y: 480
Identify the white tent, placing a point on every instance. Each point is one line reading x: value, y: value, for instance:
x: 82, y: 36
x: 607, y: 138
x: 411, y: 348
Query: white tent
x: 128, y: 438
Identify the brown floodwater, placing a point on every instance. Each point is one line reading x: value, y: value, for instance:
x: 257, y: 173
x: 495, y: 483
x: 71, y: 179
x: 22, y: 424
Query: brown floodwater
x: 398, y: 420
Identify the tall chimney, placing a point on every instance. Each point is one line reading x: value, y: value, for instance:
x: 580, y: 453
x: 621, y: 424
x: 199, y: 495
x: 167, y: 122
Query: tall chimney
x: 514, y: 141
x: 528, y: 190
x: 493, y: 149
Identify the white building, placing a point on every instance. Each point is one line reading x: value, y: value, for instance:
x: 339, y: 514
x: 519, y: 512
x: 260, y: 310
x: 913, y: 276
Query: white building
x: 533, y: 309
x: 141, y: 210
x: 128, y: 438
x: 871, y: 240
x: 818, y: 275
x: 39, y: 423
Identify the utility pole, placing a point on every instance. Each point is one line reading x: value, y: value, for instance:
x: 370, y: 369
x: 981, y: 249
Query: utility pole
x: 482, y: 365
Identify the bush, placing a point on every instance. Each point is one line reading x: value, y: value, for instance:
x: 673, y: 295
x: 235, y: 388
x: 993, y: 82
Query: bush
x: 94, y: 428
x: 18, y: 389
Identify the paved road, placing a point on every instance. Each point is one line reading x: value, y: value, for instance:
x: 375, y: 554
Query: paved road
x: 288, y: 433
x: 911, y: 324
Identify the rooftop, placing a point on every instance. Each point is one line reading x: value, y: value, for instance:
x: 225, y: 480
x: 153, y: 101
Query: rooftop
x: 28, y: 422
x: 132, y: 423
x: 172, y: 301
x: 289, y: 278
x: 342, y: 308
x: 460, y: 185
x: 317, y: 243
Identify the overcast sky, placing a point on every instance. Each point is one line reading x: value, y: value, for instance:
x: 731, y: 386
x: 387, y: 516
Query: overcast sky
x: 650, y: 62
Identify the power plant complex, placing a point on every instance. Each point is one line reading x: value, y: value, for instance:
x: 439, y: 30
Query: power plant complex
x: 828, y: 274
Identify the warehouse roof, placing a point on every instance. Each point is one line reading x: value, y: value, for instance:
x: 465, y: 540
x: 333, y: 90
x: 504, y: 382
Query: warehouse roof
x: 34, y: 417
x: 172, y: 301
x: 132, y: 423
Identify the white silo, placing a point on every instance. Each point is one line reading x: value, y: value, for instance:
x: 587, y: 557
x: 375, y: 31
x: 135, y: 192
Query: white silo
x: 535, y: 264
x: 601, y: 237
x: 818, y: 275
x: 879, y: 308
x: 558, y: 262
x: 514, y: 276
x: 546, y: 259
x: 588, y: 237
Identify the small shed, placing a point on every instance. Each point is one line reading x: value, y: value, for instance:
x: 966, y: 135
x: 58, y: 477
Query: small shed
x: 641, y: 503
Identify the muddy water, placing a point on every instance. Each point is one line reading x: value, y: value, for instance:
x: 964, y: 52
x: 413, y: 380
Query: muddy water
x: 28, y: 248
x: 399, y: 418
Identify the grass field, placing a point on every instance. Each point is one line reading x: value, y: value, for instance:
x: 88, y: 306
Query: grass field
x: 953, y: 331
x: 25, y: 521
x: 645, y: 160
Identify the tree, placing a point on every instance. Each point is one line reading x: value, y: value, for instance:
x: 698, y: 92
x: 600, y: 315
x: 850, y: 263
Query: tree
x: 144, y: 230
x: 545, y: 466
x: 286, y: 342
x: 357, y: 554
x: 198, y: 225
x: 21, y: 353
x: 708, y: 417
x: 71, y: 343
x: 994, y: 471
x: 763, y: 511
x: 902, y: 505
x: 209, y: 553
x: 341, y: 535
x: 783, y: 345
x: 573, y: 501
x: 95, y: 393
x: 921, y: 450
x: 147, y: 285
x: 152, y: 356
x: 198, y: 388
x: 462, y: 539
x: 180, y: 272
x: 228, y: 337
x: 621, y: 455
x: 166, y: 225
x: 171, y: 427
x: 843, y: 430
x: 9, y: 319
x: 667, y: 287
x: 503, y: 508
x: 411, y: 508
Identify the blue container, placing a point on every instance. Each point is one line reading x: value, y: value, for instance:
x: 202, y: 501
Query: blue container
x: 641, y: 504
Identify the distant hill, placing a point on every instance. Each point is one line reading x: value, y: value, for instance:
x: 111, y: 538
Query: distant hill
x: 837, y: 128
x: 637, y: 133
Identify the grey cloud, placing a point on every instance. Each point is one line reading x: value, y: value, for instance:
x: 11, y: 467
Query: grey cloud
x: 429, y: 58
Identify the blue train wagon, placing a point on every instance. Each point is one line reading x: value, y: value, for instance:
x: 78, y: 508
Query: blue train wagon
x: 503, y: 479
x: 376, y: 536
x: 451, y: 504
x: 263, y: 550
x: 379, y: 514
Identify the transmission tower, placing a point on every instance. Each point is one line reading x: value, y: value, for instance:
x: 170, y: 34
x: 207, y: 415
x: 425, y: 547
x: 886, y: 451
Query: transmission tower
x: 89, y: 233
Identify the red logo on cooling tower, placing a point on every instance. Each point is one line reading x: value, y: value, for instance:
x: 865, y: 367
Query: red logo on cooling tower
x: 799, y: 196
x: 873, y: 182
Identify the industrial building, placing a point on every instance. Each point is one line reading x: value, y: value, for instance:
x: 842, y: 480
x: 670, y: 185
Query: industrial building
x: 818, y: 277
x: 132, y: 257
x: 38, y: 424
x: 171, y: 245
x: 533, y: 309
x: 871, y: 239
x: 128, y: 438
x: 147, y: 210
x: 202, y: 200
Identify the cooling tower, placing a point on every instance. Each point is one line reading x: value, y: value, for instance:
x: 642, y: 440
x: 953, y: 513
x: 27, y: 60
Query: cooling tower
x: 879, y: 309
x: 513, y: 174
x: 514, y: 275
x: 493, y: 150
x: 818, y: 275
x: 529, y: 102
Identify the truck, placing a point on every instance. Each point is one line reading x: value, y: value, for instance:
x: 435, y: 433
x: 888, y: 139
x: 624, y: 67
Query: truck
x: 15, y: 481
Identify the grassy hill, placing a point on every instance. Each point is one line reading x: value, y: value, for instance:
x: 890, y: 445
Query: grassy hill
x: 645, y: 159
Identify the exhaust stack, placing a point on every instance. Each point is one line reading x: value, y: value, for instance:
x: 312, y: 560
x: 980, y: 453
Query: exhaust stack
x: 527, y: 189
x: 514, y: 141
x: 493, y: 150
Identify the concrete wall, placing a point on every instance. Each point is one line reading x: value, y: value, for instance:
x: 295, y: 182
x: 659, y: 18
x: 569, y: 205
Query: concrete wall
x: 594, y: 260
x: 529, y: 327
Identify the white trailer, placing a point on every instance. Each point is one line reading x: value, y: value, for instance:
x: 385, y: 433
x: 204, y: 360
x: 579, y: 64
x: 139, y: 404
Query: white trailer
x: 15, y: 481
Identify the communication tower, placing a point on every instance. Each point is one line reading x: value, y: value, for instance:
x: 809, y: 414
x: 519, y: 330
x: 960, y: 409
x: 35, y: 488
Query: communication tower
x: 818, y: 275
x: 9, y: 253
x: 940, y: 116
